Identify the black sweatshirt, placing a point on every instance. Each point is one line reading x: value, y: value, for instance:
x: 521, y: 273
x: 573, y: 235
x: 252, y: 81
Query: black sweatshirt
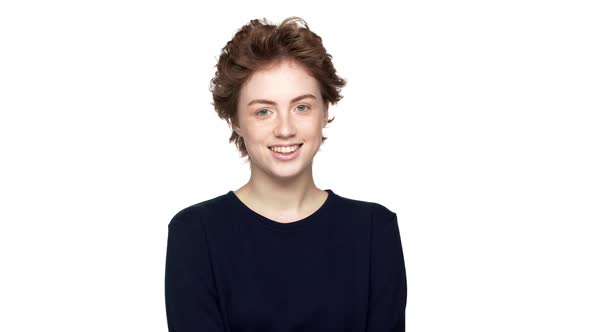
x: 229, y: 268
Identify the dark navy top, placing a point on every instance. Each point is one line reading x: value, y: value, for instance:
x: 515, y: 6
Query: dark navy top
x: 229, y: 268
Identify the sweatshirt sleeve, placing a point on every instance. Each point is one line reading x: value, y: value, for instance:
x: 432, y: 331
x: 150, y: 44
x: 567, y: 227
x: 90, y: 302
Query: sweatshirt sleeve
x: 387, y: 300
x: 190, y: 294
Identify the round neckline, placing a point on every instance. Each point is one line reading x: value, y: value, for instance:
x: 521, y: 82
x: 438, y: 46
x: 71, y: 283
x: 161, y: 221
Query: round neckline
x: 294, y: 225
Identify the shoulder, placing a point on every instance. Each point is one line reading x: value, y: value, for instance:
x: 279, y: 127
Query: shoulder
x: 378, y: 213
x: 381, y: 217
x: 381, y: 212
x: 193, y: 214
x: 384, y: 225
x: 379, y: 220
x: 352, y: 206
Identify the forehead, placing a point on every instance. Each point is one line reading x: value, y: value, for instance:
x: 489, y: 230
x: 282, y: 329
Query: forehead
x: 280, y: 82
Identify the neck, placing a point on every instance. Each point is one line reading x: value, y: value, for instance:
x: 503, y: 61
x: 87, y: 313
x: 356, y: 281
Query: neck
x: 291, y: 194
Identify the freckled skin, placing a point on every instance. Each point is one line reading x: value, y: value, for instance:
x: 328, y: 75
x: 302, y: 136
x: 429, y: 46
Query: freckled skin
x: 263, y: 124
x: 283, y: 122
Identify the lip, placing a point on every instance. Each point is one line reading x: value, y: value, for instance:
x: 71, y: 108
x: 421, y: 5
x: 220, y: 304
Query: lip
x: 284, y: 157
x: 284, y: 145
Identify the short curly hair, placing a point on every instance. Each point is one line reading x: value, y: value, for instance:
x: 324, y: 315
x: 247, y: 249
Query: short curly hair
x: 259, y: 44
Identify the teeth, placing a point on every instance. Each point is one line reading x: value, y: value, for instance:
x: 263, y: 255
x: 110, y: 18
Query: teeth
x: 287, y: 149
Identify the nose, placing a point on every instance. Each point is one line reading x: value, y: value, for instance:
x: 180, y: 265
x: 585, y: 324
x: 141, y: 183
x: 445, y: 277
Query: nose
x: 285, y: 125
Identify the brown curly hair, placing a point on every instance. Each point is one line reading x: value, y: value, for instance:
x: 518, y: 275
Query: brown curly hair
x: 259, y: 44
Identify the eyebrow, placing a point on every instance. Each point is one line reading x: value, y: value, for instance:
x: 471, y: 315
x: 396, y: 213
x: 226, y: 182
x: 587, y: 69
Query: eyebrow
x: 270, y: 102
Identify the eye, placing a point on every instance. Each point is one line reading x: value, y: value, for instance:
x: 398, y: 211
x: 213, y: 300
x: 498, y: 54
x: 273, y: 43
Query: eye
x: 264, y: 109
x: 304, y: 108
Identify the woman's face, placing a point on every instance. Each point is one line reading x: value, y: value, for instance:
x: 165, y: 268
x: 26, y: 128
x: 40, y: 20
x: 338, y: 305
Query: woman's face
x: 281, y: 105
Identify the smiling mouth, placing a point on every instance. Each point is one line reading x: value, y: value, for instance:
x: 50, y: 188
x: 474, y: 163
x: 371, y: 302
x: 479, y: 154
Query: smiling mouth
x: 298, y: 147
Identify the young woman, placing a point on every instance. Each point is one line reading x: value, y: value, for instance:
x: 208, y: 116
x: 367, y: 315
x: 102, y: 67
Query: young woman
x: 280, y: 254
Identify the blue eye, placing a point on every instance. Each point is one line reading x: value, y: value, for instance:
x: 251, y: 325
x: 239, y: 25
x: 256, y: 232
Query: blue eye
x: 264, y: 109
x: 306, y: 107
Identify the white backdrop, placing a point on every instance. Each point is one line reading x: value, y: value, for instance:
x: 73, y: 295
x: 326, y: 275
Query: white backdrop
x: 469, y: 119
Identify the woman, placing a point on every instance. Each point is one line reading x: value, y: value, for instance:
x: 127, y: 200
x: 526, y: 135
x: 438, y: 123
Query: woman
x: 280, y: 254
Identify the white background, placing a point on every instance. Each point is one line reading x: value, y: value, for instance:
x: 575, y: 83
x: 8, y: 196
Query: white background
x: 469, y: 119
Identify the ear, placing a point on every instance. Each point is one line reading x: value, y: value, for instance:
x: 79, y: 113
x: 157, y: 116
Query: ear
x: 326, y: 115
x: 235, y: 127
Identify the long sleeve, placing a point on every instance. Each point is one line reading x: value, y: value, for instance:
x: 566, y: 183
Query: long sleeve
x: 190, y: 292
x: 387, y: 301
